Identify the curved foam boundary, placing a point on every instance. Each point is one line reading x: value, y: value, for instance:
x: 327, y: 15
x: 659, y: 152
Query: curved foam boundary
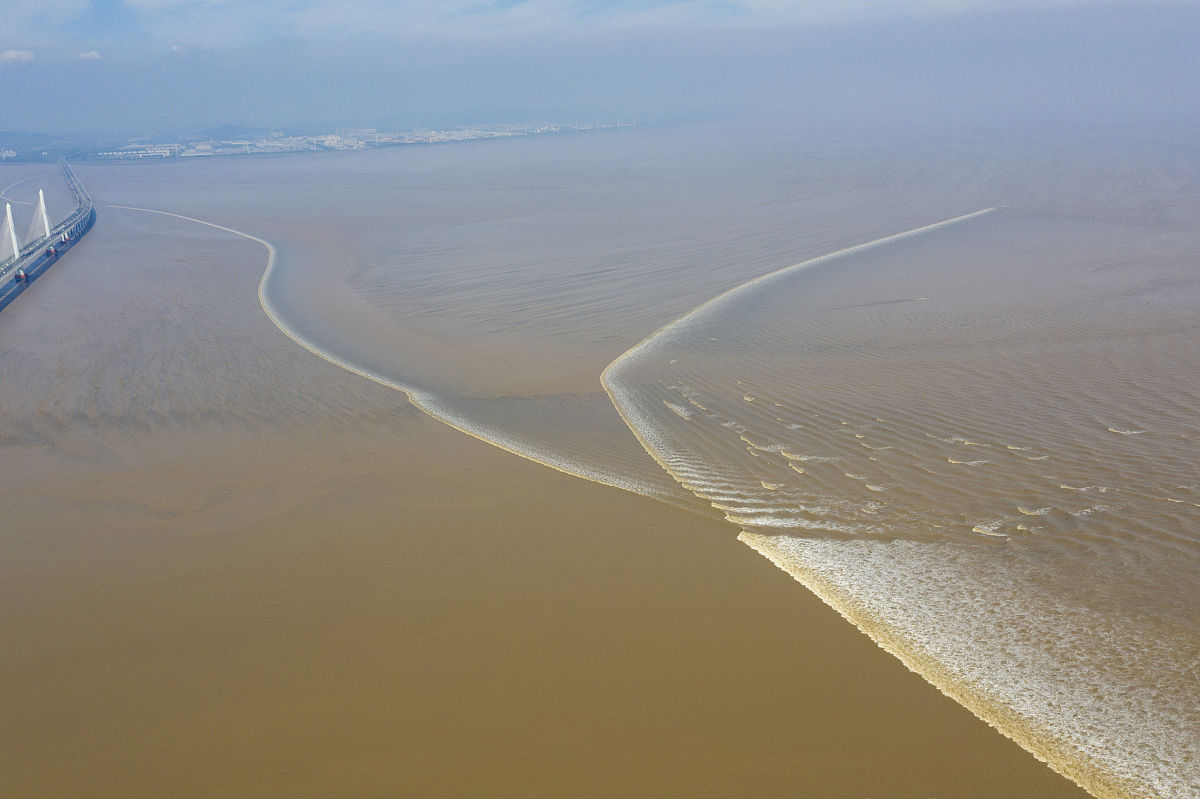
x: 423, y: 400
x: 1051, y: 744
x: 1056, y: 751
x: 4, y: 192
x: 623, y: 399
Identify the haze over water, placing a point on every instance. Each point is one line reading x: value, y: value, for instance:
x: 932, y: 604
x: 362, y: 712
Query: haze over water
x: 977, y: 441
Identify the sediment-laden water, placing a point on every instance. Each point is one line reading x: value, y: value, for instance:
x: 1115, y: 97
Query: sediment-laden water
x: 977, y: 440
x: 979, y: 444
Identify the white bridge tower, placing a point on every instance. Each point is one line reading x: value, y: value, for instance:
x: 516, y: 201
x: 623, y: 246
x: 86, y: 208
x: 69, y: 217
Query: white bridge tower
x: 10, y: 247
x: 39, y: 227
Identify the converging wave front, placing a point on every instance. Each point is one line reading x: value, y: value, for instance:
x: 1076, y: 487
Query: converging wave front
x: 971, y: 438
x: 915, y: 463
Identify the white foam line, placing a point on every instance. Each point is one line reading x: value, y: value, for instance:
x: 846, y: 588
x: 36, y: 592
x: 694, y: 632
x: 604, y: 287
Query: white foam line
x: 1058, y: 753
x: 1022, y: 728
x: 934, y: 672
x: 4, y: 191
x: 623, y: 400
x: 423, y: 400
x: 724, y: 296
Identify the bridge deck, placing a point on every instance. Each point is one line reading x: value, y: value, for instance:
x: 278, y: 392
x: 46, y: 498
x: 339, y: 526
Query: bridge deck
x: 35, y: 258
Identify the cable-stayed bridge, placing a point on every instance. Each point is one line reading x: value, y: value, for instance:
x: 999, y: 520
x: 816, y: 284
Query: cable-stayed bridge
x: 24, y: 259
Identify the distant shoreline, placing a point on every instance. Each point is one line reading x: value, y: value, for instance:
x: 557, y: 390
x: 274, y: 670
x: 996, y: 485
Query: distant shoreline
x: 276, y: 144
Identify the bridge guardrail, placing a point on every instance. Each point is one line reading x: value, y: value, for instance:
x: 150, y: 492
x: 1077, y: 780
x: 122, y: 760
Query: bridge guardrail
x: 78, y: 223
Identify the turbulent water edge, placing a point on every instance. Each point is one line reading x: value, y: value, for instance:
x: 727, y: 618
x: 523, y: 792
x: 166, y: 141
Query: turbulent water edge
x: 834, y: 571
x: 846, y: 574
x: 981, y: 613
x: 623, y: 397
x: 424, y: 400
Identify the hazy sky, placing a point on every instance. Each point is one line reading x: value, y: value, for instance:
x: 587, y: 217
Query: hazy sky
x: 72, y: 65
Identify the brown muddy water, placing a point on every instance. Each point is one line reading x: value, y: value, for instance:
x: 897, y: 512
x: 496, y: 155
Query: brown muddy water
x: 231, y: 535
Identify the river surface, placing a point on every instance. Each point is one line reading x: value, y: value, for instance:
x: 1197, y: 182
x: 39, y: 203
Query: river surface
x: 951, y: 389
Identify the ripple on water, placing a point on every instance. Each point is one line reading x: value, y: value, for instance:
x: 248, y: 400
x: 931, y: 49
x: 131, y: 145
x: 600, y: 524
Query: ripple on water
x: 969, y: 538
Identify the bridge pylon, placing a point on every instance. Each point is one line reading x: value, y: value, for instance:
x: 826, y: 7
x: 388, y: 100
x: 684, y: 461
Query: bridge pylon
x: 39, y: 226
x: 10, y: 246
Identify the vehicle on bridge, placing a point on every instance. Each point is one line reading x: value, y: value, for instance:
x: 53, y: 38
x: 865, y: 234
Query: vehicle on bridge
x: 46, y: 244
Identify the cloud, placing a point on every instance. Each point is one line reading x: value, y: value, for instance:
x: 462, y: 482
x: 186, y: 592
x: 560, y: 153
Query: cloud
x: 218, y: 24
x: 90, y: 55
x: 65, y: 27
x: 16, y: 56
x: 37, y: 22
